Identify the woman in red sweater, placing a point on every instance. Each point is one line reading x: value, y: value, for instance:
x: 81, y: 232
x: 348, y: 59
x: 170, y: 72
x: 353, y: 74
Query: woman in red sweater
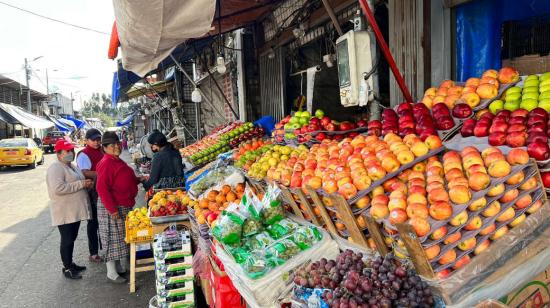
x: 117, y: 187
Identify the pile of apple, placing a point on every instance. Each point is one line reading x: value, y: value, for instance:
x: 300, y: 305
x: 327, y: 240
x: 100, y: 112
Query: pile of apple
x: 249, y: 152
x: 535, y: 93
x: 515, y: 129
x: 303, y: 127
x: 473, y: 91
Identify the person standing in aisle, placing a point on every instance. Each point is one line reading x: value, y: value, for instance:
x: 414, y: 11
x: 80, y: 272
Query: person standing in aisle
x: 69, y: 203
x: 87, y: 161
x: 167, y: 166
x: 117, y: 187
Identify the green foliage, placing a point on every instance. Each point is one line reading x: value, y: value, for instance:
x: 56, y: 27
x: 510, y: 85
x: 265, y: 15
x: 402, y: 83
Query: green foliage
x: 99, y: 106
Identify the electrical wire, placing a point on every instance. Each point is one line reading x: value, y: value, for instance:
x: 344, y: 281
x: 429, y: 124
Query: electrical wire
x: 53, y: 19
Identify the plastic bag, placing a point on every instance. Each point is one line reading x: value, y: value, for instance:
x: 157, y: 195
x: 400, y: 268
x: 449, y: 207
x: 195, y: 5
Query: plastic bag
x: 282, y: 251
x: 251, y: 227
x: 272, y: 209
x: 255, y: 266
x: 259, y: 241
x: 240, y: 254
x: 282, y: 228
x: 305, y: 237
x: 229, y: 228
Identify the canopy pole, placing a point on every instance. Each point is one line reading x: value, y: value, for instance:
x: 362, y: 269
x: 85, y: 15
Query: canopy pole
x: 333, y: 17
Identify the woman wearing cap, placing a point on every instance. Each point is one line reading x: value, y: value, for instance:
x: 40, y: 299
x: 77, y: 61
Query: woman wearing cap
x: 166, y: 167
x: 68, y: 203
x: 117, y: 190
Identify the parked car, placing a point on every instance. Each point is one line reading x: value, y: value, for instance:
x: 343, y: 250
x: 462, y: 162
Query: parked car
x: 20, y: 151
x: 48, y: 142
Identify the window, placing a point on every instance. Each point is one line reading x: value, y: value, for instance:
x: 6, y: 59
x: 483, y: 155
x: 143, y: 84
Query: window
x: 8, y: 143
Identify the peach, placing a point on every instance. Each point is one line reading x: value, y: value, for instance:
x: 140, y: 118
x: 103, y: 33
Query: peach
x: 477, y: 205
x: 486, y: 91
x: 441, y: 210
x: 516, y: 178
x: 523, y: 202
x: 509, y: 196
x: 397, y: 216
x: 416, y: 175
x: 330, y: 186
x: 499, y: 168
x: 529, y: 184
x: 496, y: 190
x: 443, y: 274
x: 448, y: 257
x: 482, y: 247
x: 396, y: 203
x: 404, y: 175
x: 390, y: 164
x: 492, y: 209
x: 421, y: 226
x: 417, y: 198
x: 379, y: 211
x: 439, y: 233
x: 438, y: 195
x: 459, y: 219
x: 398, y: 194
x: 417, y: 210
x: 517, y: 156
x: 432, y: 252
x: 468, y: 149
x: 470, y: 97
x: 460, y: 194
x: 490, y: 73
x: 487, y: 229
x: 521, y: 218
x: 378, y: 190
x: 472, y: 81
x: 452, y: 238
x: 430, y: 91
x: 363, y: 202
x: 471, y: 159
x: 476, y: 168
x: 499, y: 233
x: 420, y: 166
x: 388, y: 184
x: 433, y: 142
x: 467, y: 244
x: 474, y: 224
x: 435, y: 179
x: 380, y: 199
x: 479, y: 181
x: 535, y: 207
x: 461, y: 262
x: 508, y: 75
x: 451, y: 155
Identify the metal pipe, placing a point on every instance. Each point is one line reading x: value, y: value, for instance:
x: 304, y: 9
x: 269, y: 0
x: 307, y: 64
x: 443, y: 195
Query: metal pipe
x: 318, y: 69
x: 333, y: 17
x: 386, y: 51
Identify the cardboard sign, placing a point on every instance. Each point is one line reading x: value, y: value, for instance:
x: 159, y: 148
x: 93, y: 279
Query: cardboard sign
x: 534, y: 294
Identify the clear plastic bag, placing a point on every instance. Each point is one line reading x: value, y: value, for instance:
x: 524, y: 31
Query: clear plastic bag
x: 256, y: 266
x: 259, y: 241
x: 229, y: 228
x: 305, y: 237
x: 272, y: 209
x: 282, y: 228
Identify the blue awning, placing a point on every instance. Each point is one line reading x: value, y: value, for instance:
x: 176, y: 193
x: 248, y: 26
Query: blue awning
x: 127, y: 121
x: 61, y: 126
x: 78, y: 123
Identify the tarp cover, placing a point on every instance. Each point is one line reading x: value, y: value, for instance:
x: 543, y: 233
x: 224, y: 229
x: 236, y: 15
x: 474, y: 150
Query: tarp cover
x: 127, y: 120
x: 150, y: 29
x: 25, y: 118
x: 78, y: 123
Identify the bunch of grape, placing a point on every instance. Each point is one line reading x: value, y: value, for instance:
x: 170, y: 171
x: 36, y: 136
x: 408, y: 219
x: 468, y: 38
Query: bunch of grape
x: 351, y: 283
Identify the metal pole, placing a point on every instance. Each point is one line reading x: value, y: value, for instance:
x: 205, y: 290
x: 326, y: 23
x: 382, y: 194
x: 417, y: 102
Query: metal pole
x: 28, y: 77
x: 333, y: 17
x: 47, y: 83
x: 386, y: 51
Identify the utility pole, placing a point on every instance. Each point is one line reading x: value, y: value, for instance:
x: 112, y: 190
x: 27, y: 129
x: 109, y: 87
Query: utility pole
x: 47, y: 84
x: 28, y: 77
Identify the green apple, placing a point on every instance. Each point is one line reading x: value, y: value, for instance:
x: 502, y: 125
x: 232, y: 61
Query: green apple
x: 319, y: 113
x: 544, y: 95
x: 544, y: 82
x: 544, y: 76
x: 298, y: 114
x: 496, y: 106
x: 511, y: 106
x: 531, y: 83
x: 544, y: 88
x: 529, y: 104
x: 513, y: 90
x: 306, y: 114
x: 294, y: 120
x: 513, y: 97
x: 531, y: 89
x: 531, y: 95
x: 532, y: 77
x: 303, y: 121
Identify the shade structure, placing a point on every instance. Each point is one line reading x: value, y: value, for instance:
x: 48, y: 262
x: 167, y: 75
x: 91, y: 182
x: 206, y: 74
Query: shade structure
x: 78, y: 123
x: 25, y: 118
x: 126, y: 121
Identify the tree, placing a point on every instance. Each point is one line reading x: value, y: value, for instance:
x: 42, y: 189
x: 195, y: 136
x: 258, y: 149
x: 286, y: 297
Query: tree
x: 99, y: 106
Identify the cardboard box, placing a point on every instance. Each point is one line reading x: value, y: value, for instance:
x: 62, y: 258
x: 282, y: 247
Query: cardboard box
x: 530, y: 64
x: 534, y: 294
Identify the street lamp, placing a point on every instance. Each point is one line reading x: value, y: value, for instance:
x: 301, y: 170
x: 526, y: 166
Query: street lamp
x: 28, y: 77
x: 47, y: 80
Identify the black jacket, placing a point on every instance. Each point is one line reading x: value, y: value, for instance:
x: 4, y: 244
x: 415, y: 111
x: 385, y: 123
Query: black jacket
x: 166, y: 163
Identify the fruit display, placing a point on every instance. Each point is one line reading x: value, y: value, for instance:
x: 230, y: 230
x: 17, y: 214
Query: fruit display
x: 207, y: 141
x: 278, y: 155
x: 210, y: 206
x: 169, y: 203
x: 303, y: 127
x: 459, y: 196
x: 248, y: 152
x: 534, y: 93
x: 518, y: 128
x: 475, y: 92
x: 350, y: 281
x: 417, y: 119
x: 212, y: 177
x: 137, y: 218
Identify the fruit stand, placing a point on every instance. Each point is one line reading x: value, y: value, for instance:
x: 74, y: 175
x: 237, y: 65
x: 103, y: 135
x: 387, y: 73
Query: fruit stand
x: 434, y: 203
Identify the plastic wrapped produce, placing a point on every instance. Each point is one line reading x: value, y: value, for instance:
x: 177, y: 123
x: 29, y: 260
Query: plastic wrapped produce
x: 282, y: 228
x: 272, y: 209
x: 305, y: 237
x: 259, y: 241
x: 229, y: 228
x: 281, y: 251
x: 251, y: 227
x: 255, y: 266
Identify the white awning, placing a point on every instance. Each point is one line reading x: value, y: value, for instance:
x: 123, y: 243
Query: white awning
x: 149, y: 30
x: 25, y: 118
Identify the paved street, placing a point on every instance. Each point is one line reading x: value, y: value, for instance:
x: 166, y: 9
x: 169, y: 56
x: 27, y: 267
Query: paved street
x: 30, y: 266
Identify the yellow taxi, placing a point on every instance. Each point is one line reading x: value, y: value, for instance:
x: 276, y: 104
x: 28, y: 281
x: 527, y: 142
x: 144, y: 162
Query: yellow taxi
x: 20, y: 151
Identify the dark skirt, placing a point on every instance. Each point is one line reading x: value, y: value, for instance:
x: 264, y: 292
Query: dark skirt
x: 112, y: 232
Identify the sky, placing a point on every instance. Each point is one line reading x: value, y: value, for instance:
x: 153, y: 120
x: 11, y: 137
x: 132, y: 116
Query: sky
x: 76, y: 59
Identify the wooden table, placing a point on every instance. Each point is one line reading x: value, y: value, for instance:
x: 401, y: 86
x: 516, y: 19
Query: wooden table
x: 148, y: 264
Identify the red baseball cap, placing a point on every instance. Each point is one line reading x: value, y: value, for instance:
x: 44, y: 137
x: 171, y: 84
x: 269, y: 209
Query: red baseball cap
x: 63, y: 145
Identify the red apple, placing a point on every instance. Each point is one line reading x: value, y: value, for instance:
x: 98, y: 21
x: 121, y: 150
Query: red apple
x: 487, y: 115
x: 537, y: 137
x: 516, y: 128
x: 321, y: 136
x: 445, y: 123
x: 520, y: 113
x: 389, y: 113
x: 497, y: 138
x: 539, y: 150
x: 537, y: 127
x: 374, y: 124
x: 516, y: 139
x: 545, y: 178
x: 536, y: 118
x: 481, y: 129
x: 498, y: 126
x: 404, y: 107
x: 325, y: 121
x: 504, y: 112
x: 462, y: 111
x: 362, y: 123
x: 539, y: 111
x: 516, y: 120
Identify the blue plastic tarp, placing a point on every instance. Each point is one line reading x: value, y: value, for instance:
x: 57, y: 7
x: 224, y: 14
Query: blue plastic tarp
x: 78, y: 123
x: 127, y: 121
x: 61, y: 126
x: 115, y: 95
x: 478, y: 32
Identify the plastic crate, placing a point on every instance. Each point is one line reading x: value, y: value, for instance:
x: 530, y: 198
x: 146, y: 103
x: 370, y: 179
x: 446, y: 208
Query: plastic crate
x: 134, y: 235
